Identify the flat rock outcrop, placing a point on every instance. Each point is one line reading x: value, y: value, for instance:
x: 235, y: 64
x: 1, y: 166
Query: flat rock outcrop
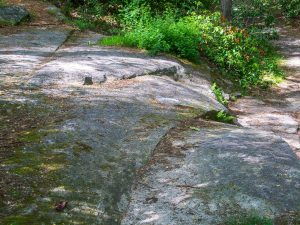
x: 88, y: 144
x: 103, y: 133
x: 214, y: 174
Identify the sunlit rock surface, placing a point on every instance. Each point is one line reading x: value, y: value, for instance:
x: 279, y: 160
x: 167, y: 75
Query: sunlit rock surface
x: 279, y: 109
x: 102, y: 133
x: 87, y: 144
x: 216, y: 173
x: 22, y: 52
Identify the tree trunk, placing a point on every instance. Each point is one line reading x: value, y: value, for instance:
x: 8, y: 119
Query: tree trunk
x: 226, y: 6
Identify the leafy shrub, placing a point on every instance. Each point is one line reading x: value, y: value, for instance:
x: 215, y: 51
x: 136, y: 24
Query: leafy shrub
x: 182, y: 7
x: 291, y: 8
x: 219, y: 94
x: 92, y: 8
x: 263, y: 12
x: 161, y: 34
x: 237, y: 52
x: 84, y: 24
x: 257, y: 12
x: 224, y: 117
x: 220, y: 116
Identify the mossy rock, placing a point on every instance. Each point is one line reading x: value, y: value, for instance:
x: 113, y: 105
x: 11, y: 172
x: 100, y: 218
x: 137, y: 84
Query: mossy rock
x: 12, y: 15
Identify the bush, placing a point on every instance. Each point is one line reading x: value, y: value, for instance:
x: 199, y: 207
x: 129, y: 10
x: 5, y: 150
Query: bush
x: 255, y: 12
x: 263, y: 12
x: 182, y: 7
x: 238, y: 53
x: 84, y: 24
x: 161, y: 34
x: 291, y: 8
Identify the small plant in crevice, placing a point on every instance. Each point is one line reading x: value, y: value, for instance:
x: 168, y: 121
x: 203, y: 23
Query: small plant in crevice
x: 224, y: 117
x: 220, y: 116
x: 219, y: 94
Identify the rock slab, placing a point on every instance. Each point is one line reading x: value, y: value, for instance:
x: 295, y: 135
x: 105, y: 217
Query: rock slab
x: 216, y: 173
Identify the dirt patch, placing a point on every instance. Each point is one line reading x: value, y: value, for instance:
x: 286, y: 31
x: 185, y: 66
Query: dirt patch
x: 277, y: 108
x: 20, y: 125
x: 20, y: 117
x: 39, y: 11
x: 40, y: 16
x: 165, y: 146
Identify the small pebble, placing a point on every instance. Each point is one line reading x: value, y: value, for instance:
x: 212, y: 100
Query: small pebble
x: 88, y: 81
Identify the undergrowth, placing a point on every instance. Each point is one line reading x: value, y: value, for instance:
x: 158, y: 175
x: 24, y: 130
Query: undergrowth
x: 193, y: 29
x: 249, y: 220
x: 239, y: 54
x: 264, y: 12
x: 219, y: 94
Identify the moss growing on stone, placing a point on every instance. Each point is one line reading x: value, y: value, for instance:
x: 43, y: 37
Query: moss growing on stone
x: 253, y: 219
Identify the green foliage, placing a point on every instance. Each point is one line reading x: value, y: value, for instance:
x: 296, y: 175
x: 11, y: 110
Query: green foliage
x: 160, y: 34
x: 249, y: 220
x: 219, y: 94
x: 241, y: 55
x: 263, y: 13
x: 116, y: 41
x: 92, y: 8
x: 84, y: 24
x: 291, y: 8
x: 220, y: 116
x: 258, y: 12
x: 224, y: 117
x: 182, y: 7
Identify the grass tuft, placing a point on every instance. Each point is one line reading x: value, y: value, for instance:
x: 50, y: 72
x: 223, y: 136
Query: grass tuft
x: 249, y: 220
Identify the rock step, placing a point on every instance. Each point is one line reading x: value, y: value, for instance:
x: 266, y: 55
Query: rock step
x: 214, y: 174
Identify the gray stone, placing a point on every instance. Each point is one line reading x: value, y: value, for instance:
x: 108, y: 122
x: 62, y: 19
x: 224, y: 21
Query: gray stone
x: 216, y: 173
x: 53, y: 10
x: 236, y: 95
x: 104, y: 79
x: 72, y: 63
x: 88, y: 81
x: 23, y: 51
x: 151, y: 79
x: 12, y: 15
x: 108, y: 131
x: 104, y: 134
x: 278, y: 109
